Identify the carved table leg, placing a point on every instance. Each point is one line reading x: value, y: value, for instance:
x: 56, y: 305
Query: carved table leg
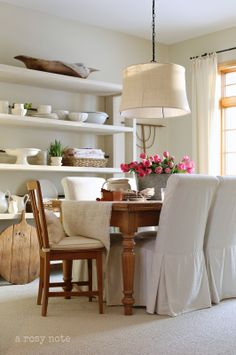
x: 128, y: 262
x: 67, y: 275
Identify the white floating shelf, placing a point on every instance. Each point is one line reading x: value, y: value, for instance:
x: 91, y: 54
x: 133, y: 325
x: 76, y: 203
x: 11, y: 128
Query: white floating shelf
x: 24, y: 76
x: 7, y: 216
x: 62, y: 169
x: 48, y: 123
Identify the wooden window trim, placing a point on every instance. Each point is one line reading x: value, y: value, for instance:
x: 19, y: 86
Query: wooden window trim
x: 225, y: 102
x: 229, y: 101
x: 227, y: 67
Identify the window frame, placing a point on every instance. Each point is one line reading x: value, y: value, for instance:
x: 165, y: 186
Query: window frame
x: 225, y: 102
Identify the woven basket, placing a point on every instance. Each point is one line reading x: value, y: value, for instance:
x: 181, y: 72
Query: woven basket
x: 85, y: 162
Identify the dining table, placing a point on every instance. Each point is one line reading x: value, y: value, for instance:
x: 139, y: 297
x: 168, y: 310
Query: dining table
x: 128, y: 216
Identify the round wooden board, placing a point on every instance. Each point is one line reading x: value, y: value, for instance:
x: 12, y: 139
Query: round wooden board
x: 19, y: 253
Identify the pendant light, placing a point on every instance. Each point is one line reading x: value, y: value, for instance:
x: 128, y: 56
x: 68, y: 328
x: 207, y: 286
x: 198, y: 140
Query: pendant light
x: 154, y: 90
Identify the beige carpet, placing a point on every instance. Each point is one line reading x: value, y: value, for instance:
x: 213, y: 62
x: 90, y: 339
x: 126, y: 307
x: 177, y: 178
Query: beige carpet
x: 75, y: 327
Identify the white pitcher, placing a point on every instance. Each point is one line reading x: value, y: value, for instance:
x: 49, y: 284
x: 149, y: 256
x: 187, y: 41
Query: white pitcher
x: 20, y: 201
x: 4, y: 201
x: 12, y: 207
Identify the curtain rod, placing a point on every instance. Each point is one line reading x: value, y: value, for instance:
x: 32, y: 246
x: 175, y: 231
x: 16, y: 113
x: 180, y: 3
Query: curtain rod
x: 220, y: 51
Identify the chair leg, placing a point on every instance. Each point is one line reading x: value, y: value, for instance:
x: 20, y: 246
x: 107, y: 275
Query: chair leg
x: 90, y: 278
x: 100, y: 281
x: 41, y: 277
x: 67, y: 276
x: 46, y: 285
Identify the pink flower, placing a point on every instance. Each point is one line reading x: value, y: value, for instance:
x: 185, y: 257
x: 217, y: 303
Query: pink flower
x: 141, y: 173
x: 166, y: 154
x: 157, y: 158
x: 158, y: 170
x: 189, y: 164
x: 148, y: 171
x: 186, y: 158
x: 137, y: 168
x: 190, y: 170
x: 124, y: 168
x: 181, y: 166
x: 170, y: 164
x: 133, y: 164
x: 156, y: 164
x: 146, y: 163
x: 143, y: 156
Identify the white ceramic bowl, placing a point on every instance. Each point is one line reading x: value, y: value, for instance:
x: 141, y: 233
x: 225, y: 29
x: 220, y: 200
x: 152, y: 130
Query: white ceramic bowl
x: 78, y: 116
x: 45, y: 115
x: 45, y: 109
x: 97, y: 117
x: 62, y: 114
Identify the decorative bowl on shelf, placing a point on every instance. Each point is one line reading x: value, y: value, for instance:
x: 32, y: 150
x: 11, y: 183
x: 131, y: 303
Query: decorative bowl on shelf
x: 78, y: 116
x: 97, y: 117
x: 21, y: 154
x: 45, y: 115
x: 62, y: 114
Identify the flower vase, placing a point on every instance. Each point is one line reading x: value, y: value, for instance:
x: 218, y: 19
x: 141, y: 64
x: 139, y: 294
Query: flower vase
x: 157, y: 181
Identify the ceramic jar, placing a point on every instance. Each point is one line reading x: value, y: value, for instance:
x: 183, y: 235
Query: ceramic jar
x: 118, y: 184
x: 4, y: 106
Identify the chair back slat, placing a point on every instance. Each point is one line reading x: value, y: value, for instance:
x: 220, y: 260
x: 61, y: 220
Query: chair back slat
x: 38, y: 212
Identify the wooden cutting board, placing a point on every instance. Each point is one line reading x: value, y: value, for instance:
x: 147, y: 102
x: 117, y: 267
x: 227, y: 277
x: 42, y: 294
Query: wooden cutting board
x: 19, y: 253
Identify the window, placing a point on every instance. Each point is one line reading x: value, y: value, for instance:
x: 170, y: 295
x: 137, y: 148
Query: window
x: 228, y: 119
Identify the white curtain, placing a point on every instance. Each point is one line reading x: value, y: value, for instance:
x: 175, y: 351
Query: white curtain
x: 206, y: 120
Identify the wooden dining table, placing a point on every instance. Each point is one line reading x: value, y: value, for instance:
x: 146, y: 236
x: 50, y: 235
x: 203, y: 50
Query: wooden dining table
x: 128, y: 216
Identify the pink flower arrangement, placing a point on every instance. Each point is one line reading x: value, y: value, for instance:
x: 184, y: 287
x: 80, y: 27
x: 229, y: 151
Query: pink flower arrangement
x: 157, y: 164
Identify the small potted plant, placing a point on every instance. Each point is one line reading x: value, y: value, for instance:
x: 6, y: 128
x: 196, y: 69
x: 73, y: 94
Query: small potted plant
x: 56, y: 151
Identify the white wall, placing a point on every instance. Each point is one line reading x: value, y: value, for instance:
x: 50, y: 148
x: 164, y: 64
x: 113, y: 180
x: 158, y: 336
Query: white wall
x: 179, y: 136
x: 37, y: 34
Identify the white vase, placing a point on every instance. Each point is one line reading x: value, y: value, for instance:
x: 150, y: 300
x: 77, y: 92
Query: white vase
x: 157, y: 181
x: 56, y: 161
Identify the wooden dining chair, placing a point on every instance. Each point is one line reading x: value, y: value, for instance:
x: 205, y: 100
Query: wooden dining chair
x: 67, y: 250
x: 89, y: 188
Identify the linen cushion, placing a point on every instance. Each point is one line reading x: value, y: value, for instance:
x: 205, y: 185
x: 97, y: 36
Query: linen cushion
x: 77, y: 243
x: 55, y: 229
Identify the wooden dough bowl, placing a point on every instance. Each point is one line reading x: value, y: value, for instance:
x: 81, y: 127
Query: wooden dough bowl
x: 52, y: 66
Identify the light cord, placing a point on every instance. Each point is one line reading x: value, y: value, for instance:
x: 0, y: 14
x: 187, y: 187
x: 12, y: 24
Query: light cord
x: 153, y: 33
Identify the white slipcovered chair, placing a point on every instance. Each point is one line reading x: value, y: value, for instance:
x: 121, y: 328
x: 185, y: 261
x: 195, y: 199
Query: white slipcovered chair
x: 82, y: 188
x: 220, y: 242
x: 170, y: 272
